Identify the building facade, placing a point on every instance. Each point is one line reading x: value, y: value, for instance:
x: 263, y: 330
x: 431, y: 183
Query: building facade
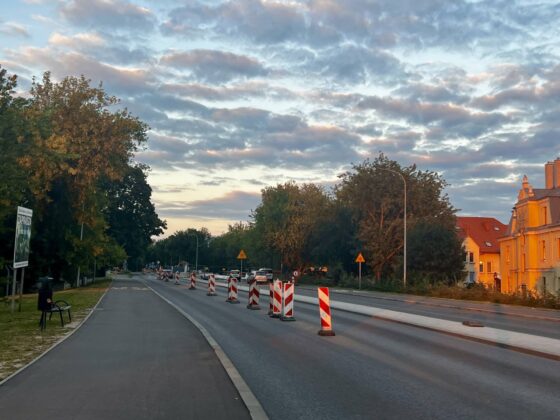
x: 480, y: 240
x: 530, y: 250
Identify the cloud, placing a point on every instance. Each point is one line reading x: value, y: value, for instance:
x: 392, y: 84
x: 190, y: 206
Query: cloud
x: 234, y: 205
x: 14, y: 29
x: 215, y: 66
x: 112, y: 15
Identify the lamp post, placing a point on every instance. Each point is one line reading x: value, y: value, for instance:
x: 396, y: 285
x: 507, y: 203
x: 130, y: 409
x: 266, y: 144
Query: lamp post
x: 404, y: 248
x: 196, y: 258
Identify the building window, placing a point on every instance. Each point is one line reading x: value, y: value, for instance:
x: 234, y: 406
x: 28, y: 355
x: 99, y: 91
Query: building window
x: 471, y: 257
x: 545, y: 215
x: 523, y: 262
x: 558, y: 240
x: 489, y: 266
x: 481, y: 267
x: 507, y: 252
x: 543, y: 250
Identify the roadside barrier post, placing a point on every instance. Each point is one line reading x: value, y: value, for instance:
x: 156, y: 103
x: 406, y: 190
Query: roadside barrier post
x: 211, y: 285
x: 232, y: 290
x: 270, y: 298
x: 277, y: 300
x: 254, y: 295
x: 177, y: 278
x: 325, y: 312
x: 288, y: 302
x: 193, y: 282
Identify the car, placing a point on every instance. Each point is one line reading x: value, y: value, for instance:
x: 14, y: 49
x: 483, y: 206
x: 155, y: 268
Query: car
x: 269, y: 273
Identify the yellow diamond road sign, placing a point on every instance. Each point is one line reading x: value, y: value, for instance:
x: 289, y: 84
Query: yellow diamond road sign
x: 242, y: 255
x: 360, y: 258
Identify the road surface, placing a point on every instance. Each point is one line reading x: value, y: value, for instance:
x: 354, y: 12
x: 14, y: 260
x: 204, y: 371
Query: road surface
x: 372, y: 368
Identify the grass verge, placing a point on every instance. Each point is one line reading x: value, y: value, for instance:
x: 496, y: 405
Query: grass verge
x: 21, y: 339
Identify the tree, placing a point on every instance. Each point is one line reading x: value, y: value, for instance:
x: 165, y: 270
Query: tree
x: 69, y: 140
x: 130, y: 214
x: 374, y: 194
x: 287, y: 217
x: 436, y: 253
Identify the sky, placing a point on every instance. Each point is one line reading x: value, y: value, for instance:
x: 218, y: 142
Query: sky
x: 241, y: 95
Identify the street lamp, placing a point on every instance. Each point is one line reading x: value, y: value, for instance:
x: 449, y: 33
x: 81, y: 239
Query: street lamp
x: 196, y: 258
x: 404, y: 251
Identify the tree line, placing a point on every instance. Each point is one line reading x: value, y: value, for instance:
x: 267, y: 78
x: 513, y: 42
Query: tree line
x: 296, y: 227
x: 67, y: 154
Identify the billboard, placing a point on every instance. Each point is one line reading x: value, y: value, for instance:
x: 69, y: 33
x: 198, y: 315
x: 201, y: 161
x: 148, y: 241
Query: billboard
x: 23, y: 235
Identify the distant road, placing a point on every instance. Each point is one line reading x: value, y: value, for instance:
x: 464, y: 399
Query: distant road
x: 372, y: 369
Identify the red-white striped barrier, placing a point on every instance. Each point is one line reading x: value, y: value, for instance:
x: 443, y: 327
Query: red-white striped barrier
x: 325, y: 312
x: 211, y: 285
x: 193, y: 282
x: 254, y: 294
x: 232, y: 290
x: 288, y: 303
x: 277, y: 299
x: 270, y: 298
x: 176, y: 278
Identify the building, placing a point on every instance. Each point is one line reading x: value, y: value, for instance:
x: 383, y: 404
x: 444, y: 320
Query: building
x: 480, y: 239
x: 530, y: 251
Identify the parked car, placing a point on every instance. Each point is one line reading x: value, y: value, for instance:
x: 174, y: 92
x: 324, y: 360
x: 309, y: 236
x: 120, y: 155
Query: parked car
x: 269, y: 273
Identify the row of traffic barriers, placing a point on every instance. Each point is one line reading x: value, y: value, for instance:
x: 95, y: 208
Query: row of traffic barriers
x: 281, y: 303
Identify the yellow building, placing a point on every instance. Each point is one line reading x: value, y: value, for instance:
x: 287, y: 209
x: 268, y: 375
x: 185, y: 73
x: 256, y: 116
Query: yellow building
x: 530, y: 252
x: 480, y: 240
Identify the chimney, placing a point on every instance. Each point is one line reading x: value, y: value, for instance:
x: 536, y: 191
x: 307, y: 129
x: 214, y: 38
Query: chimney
x: 556, y: 182
x: 549, y: 172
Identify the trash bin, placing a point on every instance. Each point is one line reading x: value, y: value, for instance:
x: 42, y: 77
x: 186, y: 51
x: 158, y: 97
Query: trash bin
x: 45, y: 295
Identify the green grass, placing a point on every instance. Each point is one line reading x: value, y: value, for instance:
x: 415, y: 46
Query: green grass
x: 21, y: 339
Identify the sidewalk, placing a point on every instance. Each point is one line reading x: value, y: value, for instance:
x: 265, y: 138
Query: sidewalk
x: 135, y: 358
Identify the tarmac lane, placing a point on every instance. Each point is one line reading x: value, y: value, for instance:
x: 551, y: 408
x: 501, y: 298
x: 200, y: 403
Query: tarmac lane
x: 136, y: 357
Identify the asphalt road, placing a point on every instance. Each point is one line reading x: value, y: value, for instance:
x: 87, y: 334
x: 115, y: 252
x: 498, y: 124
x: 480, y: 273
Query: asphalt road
x: 135, y: 358
x: 505, y: 317
x: 372, y: 369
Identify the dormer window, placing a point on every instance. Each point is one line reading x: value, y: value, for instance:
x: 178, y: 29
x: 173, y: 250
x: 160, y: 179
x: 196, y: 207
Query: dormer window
x: 488, y: 244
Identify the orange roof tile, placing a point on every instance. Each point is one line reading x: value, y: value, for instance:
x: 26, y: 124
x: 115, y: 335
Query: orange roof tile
x: 484, y: 231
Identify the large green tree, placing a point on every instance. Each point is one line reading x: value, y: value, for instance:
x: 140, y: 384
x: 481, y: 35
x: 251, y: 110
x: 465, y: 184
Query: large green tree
x: 287, y: 217
x: 373, y: 191
x: 130, y: 214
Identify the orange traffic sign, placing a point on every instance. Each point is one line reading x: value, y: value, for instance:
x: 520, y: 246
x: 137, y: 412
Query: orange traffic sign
x: 360, y: 258
x: 242, y: 255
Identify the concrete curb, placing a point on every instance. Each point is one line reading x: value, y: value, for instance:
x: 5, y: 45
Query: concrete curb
x: 526, y: 343
x: 59, y: 341
x: 443, y: 305
x: 251, y: 402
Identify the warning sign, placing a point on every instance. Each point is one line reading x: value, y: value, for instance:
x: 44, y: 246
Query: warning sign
x: 242, y: 255
x: 360, y: 258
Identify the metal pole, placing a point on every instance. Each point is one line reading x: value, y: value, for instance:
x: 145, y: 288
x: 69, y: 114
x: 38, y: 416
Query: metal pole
x: 14, y: 290
x: 196, y: 258
x: 21, y: 288
x: 81, y: 237
x: 360, y: 276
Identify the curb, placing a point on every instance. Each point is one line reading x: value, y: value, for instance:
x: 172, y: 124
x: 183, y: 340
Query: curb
x: 21, y: 369
x: 256, y: 411
x: 526, y: 343
x: 443, y: 305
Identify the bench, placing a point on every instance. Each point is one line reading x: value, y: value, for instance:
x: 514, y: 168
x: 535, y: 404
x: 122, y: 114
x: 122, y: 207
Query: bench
x: 59, y: 306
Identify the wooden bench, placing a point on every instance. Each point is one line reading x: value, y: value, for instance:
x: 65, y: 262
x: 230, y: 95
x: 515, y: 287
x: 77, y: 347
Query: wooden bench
x: 59, y: 306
